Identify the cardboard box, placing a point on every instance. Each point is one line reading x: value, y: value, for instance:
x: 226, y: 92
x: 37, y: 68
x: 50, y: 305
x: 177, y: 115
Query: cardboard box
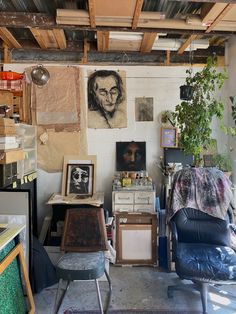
x: 12, y: 155
x: 7, y: 122
x: 7, y: 130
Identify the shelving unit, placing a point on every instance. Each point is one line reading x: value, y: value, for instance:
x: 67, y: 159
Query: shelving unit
x: 27, y: 136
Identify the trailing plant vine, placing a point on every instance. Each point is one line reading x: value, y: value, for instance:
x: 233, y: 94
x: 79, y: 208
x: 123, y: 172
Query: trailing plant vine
x: 194, y: 117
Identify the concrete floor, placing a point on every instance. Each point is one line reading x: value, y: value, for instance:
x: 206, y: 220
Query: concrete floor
x: 134, y: 288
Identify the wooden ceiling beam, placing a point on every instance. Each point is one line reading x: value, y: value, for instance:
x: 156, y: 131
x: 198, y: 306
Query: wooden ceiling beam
x: 219, y: 17
x: 39, y: 38
x: 147, y: 42
x: 7, y: 56
x: 60, y: 38
x: 8, y: 38
x: 92, y: 16
x: 152, y: 58
x: 137, y: 12
x: 209, y: 1
x: 171, y: 26
x: 103, y: 40
x: 186, y: 43
x: 84, y: 60
x: 209, y: 12
x: 167, y: 60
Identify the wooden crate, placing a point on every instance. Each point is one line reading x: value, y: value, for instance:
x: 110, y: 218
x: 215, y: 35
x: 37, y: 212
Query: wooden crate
x: 12, y: 155
x: 7, y: 122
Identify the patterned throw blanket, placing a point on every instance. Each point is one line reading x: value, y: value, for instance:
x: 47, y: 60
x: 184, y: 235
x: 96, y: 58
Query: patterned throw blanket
x: 206, y: 189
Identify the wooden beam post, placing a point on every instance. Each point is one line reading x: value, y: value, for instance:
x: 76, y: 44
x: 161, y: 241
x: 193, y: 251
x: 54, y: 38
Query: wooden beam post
x: 102, y: 40
x: 92, y: 17
x: 6, y: 54
x: 137, y: 12
x: 147, y: 42
x: 167, y: 61
x: 186, y: 43
x: 84, y: 60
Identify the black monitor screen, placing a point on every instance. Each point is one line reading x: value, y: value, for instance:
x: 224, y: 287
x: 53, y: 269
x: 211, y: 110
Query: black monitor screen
x: 176, y: 155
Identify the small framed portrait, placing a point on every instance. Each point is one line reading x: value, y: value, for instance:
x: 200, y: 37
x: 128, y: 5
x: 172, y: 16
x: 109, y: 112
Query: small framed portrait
x: 144, y: 109
x: 130, y: 156
x: 169, y: 137
x: 79, y: 179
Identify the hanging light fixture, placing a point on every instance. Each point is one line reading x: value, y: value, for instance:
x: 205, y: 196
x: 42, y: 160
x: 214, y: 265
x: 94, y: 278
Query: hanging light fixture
x: 186, y: 91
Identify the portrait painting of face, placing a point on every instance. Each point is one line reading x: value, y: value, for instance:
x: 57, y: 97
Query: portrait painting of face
x: 144, y: 109
x: 79, y: 179
x: 130, y: 156
x: 106, y: 100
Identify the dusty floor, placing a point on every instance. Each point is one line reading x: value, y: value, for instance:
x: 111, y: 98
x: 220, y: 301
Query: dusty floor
x: 134, y: 288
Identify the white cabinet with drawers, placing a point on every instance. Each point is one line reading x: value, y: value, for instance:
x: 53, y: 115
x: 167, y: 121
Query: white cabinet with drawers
x: 133, y: 201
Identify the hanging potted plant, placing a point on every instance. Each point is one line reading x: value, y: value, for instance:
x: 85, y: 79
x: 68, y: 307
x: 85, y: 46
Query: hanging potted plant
x: 186, y: 92
x: 194, y: 117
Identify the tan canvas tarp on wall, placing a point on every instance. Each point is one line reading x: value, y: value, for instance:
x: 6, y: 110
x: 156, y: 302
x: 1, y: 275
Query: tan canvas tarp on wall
x: 58, y: 144
x: 53, y: 146
x: 56, y: 104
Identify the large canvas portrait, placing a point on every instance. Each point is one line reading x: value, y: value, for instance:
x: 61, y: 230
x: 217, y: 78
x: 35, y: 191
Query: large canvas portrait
x: 107, y: 100
x: 130, y: 156
x: 80, y: 179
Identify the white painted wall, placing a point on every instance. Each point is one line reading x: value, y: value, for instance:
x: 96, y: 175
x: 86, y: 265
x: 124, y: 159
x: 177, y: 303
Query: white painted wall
x: 161, y: 83
x: 231, y: 63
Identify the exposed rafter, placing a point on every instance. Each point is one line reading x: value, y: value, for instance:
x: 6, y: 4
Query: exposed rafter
x: 172, y: 26
x: 39, y: 38
x: 8, y: 38
x: 92, y: 18
x: 219, y: 17
x: 102, y: 41
x: 210, y: 1
x: 210, y: 11
x: 186, y: 43
x: 6, y: 54
x: 60, y: 38
x: 116, y: 30
x: 147, y: 42
x: 137, y: 13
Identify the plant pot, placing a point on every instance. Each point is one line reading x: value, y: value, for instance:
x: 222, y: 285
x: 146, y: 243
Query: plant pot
x: 186, y: 92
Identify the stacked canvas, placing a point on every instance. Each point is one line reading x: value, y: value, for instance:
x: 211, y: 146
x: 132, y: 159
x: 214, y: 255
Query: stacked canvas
x: 9, y: 151
x: 8, y: 142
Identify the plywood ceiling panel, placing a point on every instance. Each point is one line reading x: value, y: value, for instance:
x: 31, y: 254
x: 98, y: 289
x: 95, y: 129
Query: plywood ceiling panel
x: 231, y: 15
x: 123, y: 45
x: 115, y: 7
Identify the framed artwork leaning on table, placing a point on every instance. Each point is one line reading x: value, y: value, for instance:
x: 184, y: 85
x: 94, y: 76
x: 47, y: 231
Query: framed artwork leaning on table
x: 88, y: 164
x: 79, y: 179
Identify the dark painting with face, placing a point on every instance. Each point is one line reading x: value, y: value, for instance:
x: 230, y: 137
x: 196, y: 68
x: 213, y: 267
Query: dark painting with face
x: 130, y: 156
x: 79, y: 179
x: 106, y: 100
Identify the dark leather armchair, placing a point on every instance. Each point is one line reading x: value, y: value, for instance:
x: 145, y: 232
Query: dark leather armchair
x: 201, y: 249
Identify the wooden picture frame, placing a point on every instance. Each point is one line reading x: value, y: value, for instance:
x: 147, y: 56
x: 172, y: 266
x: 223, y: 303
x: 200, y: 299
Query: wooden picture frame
x: 84, y: 230
x: 78, y: 159
x: 79, y: 179
x: 169, y: 137
x: 18, y: 251
x: 136, y: 238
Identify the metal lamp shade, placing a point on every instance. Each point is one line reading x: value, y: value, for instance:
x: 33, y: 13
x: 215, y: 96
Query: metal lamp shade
x: 40, y: 75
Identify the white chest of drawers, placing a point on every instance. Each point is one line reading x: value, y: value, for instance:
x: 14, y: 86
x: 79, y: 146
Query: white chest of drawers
x: 133, y: 201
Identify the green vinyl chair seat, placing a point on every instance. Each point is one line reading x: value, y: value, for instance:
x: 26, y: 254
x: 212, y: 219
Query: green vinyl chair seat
x: 81, y: 266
